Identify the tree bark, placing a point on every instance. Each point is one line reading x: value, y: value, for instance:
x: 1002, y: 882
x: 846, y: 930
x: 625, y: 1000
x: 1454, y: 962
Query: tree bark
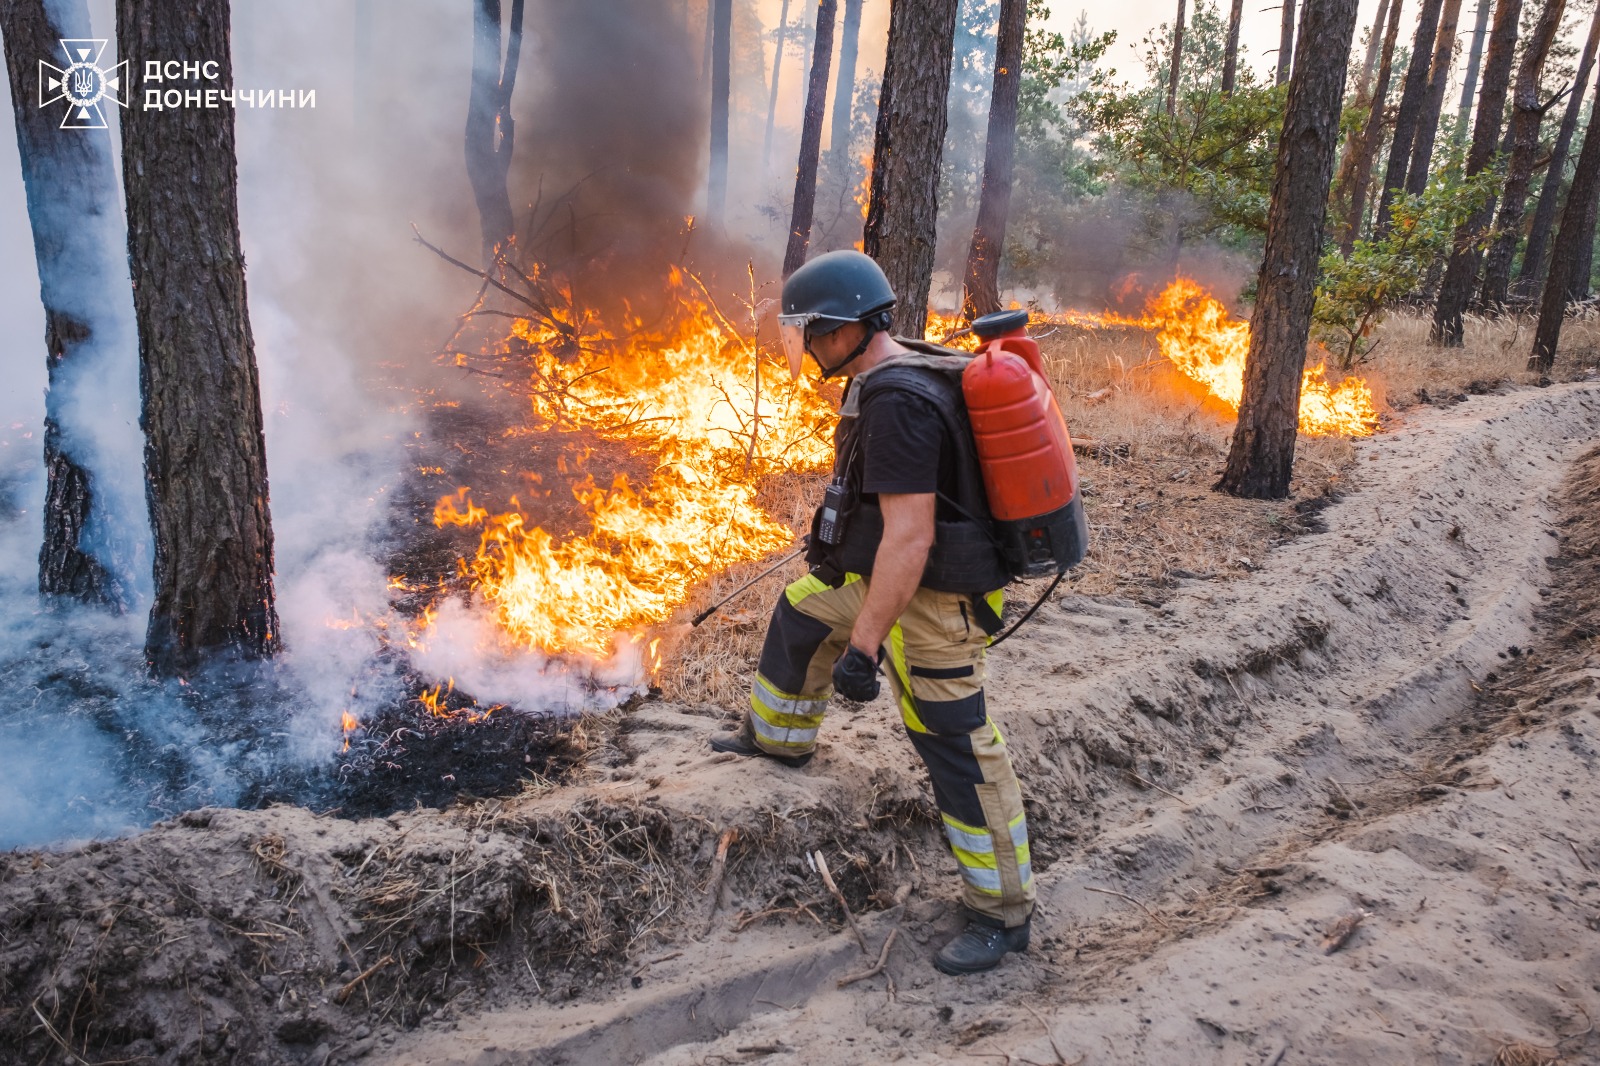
x: 903, y: 212
x: 721, y: 15
x: 1408, y: 111
x: 1526, y: 118
x: 71, y: 192
x: 844, y: 97
x: 1230, y: 52
x: 491, y: 132
x: 772, y: 99
x: 1286, y: 43
x: 1177, y: 58
x: 1433, y: 101
x: 205, y: 453
x: 1578, y: 276
x: 1355, y: 172
x: 1261, y: 457
x: 1460, y: 274
x: 1576, y: 227
x: 805, y: 182
x: 1469, y: 87
x: 1544, y: 215
x: 982, y: 295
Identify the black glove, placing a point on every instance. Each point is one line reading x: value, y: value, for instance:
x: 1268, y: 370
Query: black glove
x: 855, y: 675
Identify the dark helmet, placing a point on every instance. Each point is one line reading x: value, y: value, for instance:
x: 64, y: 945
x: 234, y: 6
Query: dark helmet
x: 837, y: 287
x: 824, y: 294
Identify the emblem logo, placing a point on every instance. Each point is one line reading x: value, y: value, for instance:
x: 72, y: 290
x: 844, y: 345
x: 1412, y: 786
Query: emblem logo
x: 83, y: 84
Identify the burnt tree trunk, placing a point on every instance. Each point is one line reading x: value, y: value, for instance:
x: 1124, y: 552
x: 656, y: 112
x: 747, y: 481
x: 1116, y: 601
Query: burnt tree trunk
x: 1433, y: 100
x: 772, y: 97
x: 1355, y: 168
x: 205, y: 453
x: 1230, y: 50
x: 1527, y: 116
x: 907, y: 146
x: 1408, y: 111
x: 1544, y: 215
x: 1261, y: 457
x: 982, y: 295
x: 1577, y: 227
x: 71, y: 190
x: 1469, y: 87
x: 720, y: 13
x: 1461, y: 273
x: 805, y: 181
x: 844, y: 97
x: 1286, y: 43
x: 491, y: 133
x: 1177, y: 57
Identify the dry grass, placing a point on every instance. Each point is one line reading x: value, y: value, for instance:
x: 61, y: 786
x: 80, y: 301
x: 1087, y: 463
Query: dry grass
x: 1153, y: 515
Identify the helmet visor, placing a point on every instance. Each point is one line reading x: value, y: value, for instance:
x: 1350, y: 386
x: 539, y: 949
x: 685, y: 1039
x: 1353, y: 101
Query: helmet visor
x: 797, y: 331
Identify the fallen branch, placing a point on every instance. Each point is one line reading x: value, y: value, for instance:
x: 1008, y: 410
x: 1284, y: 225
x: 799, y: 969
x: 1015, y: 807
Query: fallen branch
x: 1130, y: 899
x: 1340, y: 933
x: 719, y: 870
x: 1158, y: 788
x: 877, y: 968
x: 833, y: 890
x: 344, y: 993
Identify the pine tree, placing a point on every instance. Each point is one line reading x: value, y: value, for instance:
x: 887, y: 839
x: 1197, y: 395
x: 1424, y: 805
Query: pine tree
x: 1433, y: 100
x: 1369, y: 137
x: 1460, y: 274
x: 1577, y: 226
x: 205, y: 453
x: 720, y: 12
x: 1230, y: 51
x: 491, y: 132
x: 805, y: 182
x: 1408, y: 111
x: 903, y: 213
x: 1261, y: 456
x: 982, y: 295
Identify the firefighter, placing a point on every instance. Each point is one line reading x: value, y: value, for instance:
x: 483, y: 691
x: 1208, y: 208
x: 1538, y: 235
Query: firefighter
x: 905, y: 575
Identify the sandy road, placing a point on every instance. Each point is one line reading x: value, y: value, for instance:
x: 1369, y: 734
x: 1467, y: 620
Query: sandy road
x: 1309, y: 733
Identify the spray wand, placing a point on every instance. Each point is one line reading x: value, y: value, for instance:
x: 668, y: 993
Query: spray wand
x: 768, y: 572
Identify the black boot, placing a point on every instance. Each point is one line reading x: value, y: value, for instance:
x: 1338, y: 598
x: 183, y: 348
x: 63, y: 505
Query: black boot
x: 742, y: 743
x: 981, y: 945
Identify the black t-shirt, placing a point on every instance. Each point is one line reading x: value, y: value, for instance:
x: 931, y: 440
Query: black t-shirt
x: 903, y: 447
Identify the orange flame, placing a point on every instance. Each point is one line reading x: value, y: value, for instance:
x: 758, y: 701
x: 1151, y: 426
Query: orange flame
x: 1198, y: 336
x: 711, y: 411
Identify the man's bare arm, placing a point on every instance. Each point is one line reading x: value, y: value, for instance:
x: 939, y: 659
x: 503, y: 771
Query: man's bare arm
x: 908, y: 525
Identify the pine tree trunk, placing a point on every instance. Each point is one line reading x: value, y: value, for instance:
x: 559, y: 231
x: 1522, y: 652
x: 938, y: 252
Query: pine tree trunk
x: 1371, y: 136
x: 1469, y: 87
x: 805, y: 182
x: 1408, y: 111
x: 982, y: 295
x: 205, y: 454
x: 1177, y: 58
x: 1578, y: 276
x: 1286, y: 43
x: 721, y: 15
x: 772, y: 98
x: 1261, y: 457
x: 1433, y: 101
x: 491, y: 132
x: 1230, y: 51
x: 1345, y: 182
x: 1544, y: 216
x: 71, y: 188
x: 1577, y: 227
x: 1526, y: 119
x: 840, y: 162
x: 1460, y: 274
x: 903, y: 212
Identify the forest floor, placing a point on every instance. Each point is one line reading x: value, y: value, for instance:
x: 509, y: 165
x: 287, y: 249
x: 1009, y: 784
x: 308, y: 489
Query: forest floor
x: 1376, y: 700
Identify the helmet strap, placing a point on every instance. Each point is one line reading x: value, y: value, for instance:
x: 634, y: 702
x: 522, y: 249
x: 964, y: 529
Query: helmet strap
x: 872, y: 331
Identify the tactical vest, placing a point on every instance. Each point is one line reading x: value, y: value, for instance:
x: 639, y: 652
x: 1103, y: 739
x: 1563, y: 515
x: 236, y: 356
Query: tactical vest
x: 965, y: 556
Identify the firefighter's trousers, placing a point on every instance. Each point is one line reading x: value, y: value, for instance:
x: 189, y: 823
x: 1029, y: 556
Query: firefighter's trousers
x: 935, y: 667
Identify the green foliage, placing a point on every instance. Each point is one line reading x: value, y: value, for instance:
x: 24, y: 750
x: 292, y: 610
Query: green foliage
x: 1353, y: 295
x: 1204, y: 172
